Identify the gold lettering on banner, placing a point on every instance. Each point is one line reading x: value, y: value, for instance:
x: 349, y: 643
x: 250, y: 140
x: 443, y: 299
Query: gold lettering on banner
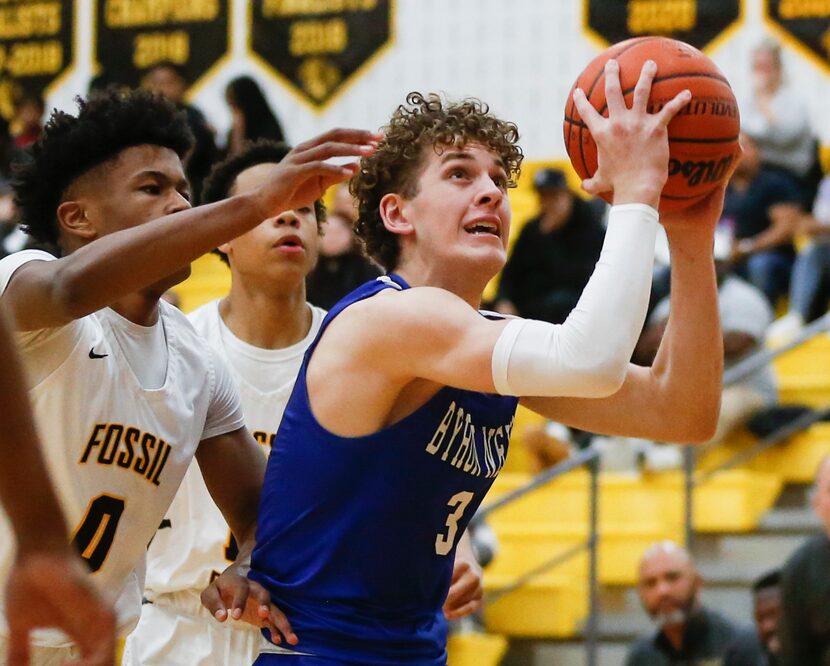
x: 661, y: 16
x: 275, y: 8
x: 132, y: 13
x: 32, y: 58
x: 800, y: 9
x: 30, y: 20
x: 152, y: 47
x: 318, y: 37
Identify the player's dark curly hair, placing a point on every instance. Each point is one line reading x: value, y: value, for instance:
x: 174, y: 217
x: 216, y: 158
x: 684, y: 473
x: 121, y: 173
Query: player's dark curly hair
x: 107, y: 122
x: 425, y: 121
x: 220, y: 182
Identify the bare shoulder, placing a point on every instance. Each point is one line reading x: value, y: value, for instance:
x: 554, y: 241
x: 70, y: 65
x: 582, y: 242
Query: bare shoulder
x: 393, y: 315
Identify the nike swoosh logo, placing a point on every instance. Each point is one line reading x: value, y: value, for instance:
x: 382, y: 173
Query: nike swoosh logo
x: 92, y: 354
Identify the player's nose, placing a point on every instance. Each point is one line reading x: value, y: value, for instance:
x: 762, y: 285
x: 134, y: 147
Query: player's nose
x: 288, y: 218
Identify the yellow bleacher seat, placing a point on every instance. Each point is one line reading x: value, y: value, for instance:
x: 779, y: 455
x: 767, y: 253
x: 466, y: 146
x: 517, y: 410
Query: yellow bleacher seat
x: 551, y: 606
x: 209, y: 279
x: 797, y: 459
x: 518, y: 457
x: 475, y: 649
x: 730, y: 501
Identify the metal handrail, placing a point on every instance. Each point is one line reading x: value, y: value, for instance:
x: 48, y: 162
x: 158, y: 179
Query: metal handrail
x: 733, y: 375
x: 762, y: 357
x: 590, y: 458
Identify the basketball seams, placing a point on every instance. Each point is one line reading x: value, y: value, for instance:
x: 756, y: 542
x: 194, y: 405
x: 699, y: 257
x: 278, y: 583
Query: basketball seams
x: 637, y: 41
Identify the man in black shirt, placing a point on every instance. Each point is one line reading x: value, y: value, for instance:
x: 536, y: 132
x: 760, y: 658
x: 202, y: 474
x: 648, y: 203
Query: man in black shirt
x: 804, y: 628
x: 762, y: 206
x: 688, y: 633
x: 554, y: 255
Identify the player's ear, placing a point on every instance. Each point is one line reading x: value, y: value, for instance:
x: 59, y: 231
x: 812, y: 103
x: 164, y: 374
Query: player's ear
x: 74, y: 220
x: 393, y: 214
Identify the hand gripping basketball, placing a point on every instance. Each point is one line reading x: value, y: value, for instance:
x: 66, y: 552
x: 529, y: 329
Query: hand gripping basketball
x: 632, y: 144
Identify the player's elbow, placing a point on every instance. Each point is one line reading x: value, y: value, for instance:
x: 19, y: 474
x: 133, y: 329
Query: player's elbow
x: 604, y: 377
x: 696, y: 423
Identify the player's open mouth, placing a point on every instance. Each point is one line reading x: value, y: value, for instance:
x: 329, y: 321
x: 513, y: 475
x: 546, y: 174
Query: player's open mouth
x: 290, y: 243
x: 483, y: 227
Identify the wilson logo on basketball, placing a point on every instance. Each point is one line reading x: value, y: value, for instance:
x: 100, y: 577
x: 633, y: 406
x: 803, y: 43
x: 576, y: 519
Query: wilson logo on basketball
x: 701, y: 172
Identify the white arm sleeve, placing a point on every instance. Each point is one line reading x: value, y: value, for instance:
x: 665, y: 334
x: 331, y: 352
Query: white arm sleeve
x: 588, y: 355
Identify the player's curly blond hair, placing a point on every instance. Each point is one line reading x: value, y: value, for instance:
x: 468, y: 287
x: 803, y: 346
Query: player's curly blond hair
x: 423, y: 122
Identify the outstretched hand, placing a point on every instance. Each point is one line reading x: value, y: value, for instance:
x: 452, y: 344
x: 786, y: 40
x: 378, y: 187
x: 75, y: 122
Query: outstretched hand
x: 54, y: 590
x: 632, y: 144
x: 232, y: 594
x: 305, y: 173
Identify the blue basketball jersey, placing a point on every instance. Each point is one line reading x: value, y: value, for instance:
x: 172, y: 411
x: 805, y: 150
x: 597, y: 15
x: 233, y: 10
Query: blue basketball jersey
x: 356, y: 536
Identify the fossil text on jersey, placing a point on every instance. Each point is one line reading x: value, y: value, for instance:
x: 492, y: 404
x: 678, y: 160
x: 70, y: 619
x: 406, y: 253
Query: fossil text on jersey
x: 127, y: 447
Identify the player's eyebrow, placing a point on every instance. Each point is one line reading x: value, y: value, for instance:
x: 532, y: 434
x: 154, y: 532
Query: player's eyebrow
x: 461, y: 155
x: 180, y: 183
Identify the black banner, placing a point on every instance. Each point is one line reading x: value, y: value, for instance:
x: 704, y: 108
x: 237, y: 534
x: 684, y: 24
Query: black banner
x: 696, y: 22
x: 317, y: 45
x: 807, y: 21
x: 36, y: 46
x: 134, y: 35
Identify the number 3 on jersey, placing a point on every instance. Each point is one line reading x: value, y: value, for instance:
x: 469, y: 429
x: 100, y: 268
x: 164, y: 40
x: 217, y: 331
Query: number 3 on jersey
x: 458, y: 502
x: 94, y: 536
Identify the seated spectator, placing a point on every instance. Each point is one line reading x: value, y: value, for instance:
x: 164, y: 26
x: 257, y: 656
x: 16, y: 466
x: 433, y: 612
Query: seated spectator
x: 810, y: 282
x: 762, y: 208
x: 804, y: 626
x: 342, y: 267
x: 766, y: 593
x: 745, y: 315
x: 554, y: 255
x: 251, y: 115
x: 688, y: 634
x: 168, y: 79
x: 776, y: 116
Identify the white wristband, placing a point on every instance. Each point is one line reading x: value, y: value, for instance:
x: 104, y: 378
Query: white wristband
x: 588, y: 355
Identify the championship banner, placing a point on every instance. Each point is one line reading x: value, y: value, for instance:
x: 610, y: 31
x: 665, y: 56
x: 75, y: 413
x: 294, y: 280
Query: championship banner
x: 807, y: 22
x: 133, y: 35
x: 696, y: 22
x: 37, y: 46
x: 316, y: 46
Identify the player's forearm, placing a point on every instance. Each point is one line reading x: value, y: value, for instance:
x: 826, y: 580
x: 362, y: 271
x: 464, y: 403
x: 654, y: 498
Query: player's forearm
x: 689, y: 362
x: 130, y: 260
x: 25, y: 488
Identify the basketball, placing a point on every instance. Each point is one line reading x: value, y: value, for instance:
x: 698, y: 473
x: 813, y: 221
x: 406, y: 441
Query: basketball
x: 703, y: 136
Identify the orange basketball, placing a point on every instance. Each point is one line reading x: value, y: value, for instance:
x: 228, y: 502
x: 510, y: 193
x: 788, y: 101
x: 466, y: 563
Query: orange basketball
x: 703, y: 137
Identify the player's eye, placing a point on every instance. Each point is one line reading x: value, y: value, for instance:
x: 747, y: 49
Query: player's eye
x: 305, y: 210
x: 457, y: 173
x: 151, y: 189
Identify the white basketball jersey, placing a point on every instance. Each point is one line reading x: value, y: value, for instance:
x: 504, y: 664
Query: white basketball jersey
x: 195, y: 543
x: 117, y: 452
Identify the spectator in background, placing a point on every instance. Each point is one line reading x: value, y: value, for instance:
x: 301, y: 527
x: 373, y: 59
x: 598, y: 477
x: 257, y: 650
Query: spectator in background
x: 168, y: 79
x: 688, y: 634
x: 804, y: 627
x: 762, y: 208
x: 776, y: 117
x: 342, y: 267
x: 252, y: 117
x: 810, y: 281
x: 27, y: 124
x: 745, y: 316
x: 766, y: 596
x: 554, y: 255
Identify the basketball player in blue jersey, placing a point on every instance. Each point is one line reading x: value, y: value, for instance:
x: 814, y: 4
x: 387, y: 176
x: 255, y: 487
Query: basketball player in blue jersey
x: 401, y: 413
x: 48, y: 586
x: 125, y: 392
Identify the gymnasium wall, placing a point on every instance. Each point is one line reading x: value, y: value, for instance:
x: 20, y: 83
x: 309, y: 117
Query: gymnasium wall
x: 521, y: 56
